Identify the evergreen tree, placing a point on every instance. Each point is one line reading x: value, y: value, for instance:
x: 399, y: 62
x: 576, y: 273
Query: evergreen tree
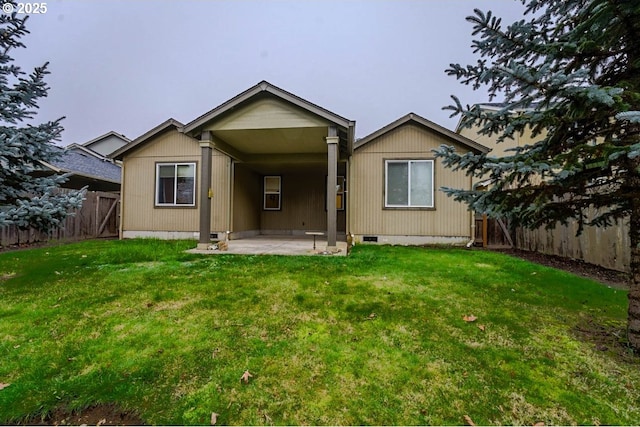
x: 26, y: 198
x: 569, y: 72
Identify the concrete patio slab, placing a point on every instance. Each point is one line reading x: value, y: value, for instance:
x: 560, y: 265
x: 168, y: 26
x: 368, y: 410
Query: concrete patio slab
x: 274, y: 245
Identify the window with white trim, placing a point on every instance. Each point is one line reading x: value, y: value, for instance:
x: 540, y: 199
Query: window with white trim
x: 175, y: 184
x: 408, y: 184
x: 272, y: 193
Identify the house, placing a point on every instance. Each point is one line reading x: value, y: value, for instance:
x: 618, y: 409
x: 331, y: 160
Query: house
x: 270, y: 162
x: 391, y: 168
x: 107, y: 143
x: 86, y: 168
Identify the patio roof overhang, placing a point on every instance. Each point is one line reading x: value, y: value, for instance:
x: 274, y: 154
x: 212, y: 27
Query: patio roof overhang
x: 266, y: 126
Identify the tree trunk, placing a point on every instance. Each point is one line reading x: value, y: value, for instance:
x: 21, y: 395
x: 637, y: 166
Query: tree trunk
x: 634, y: 282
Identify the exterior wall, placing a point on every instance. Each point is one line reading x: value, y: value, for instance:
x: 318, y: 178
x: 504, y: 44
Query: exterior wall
x: 268, y: 114
x: 303, y: 205
x: 221, y: 187
x: 449, y: 221
x: 498, y: 150
x: 139, y: 214
x: 247, y: 195
x: 162, y: 235
x: 411, y: 240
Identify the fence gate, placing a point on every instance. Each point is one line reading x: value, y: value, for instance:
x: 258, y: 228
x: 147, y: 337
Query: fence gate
x: 492, y: 232
x: 98, y: 217
x: 107, y: 211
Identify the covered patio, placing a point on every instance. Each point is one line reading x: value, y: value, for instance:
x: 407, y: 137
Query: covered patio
x: 274, y: 245
x: 287, y: 171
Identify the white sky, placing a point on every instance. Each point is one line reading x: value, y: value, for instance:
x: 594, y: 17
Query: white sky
x: 129, y: 65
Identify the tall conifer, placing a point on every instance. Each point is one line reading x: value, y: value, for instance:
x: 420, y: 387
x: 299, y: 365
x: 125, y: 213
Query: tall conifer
x: 27, y: 197
x: 569, y: 72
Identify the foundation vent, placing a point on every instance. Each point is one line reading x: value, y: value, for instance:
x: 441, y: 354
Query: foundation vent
x: 370, y: 239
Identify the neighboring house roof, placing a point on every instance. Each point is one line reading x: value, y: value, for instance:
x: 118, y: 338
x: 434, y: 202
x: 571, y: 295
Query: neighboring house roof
x: 421, y: 121
x: 501, y: 105
x: 86, y: 150
x: 266, y: 87
x: 79, y: 161
x: 497, y: 106
x: 94, y: 144
x: 142, y: 139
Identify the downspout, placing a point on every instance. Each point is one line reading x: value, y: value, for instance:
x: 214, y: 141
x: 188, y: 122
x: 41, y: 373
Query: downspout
x: 347, y: 197
x: 475, y: 186
x: 472, y: 215
x: 472, y: 225
x: 121, y: 227
x: 349, y: 187
x: 351, y: 240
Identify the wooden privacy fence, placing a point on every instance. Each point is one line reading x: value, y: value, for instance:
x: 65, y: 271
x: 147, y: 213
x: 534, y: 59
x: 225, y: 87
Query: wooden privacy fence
x: 98, y: 217
x: 492, y: 232
x: 606, y: 247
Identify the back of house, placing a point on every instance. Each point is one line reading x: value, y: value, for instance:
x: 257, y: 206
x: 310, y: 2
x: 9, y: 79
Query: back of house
x: 268, y: 162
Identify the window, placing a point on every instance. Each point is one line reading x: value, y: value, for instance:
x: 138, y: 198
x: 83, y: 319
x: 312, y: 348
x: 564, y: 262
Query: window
x: 409, y: 183
x: 175, y: 184
x: 272, y: 192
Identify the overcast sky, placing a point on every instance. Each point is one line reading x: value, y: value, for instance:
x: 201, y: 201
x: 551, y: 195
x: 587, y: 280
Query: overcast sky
x: 129, y: 65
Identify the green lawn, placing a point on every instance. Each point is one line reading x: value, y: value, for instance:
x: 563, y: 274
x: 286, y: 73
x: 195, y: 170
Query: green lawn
x: 374, y: 338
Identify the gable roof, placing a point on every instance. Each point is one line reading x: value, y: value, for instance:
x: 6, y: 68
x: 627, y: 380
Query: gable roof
x: 142, y: 139
x: 87, y: 150
x: 81, y: 162
x: 106, y: 135
x: 266, y: 87
x: 499, y: 106
x: 421, y: 121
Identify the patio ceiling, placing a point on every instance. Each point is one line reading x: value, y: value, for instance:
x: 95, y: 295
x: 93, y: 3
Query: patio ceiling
x: 273, y: 166
x: 290, y: 140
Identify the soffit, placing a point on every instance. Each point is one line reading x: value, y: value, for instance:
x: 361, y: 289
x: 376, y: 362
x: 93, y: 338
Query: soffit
x: 275, y: 141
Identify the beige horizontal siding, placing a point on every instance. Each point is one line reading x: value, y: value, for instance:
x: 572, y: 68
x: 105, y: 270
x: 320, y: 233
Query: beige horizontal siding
x: 220, y: 186
x: 139, y: 212
x: 247, y: 199
x: 303, y: 205
x: 366, y: 193
x: 171, y: 144
x: 268, y: 114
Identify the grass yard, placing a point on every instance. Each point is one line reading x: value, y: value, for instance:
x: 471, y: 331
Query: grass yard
x: 374, y: 338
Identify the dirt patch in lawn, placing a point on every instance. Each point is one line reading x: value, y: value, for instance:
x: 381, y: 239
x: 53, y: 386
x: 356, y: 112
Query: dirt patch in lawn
x: 613, y: 278
x: 607, y: 338
x: 97, y: 415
